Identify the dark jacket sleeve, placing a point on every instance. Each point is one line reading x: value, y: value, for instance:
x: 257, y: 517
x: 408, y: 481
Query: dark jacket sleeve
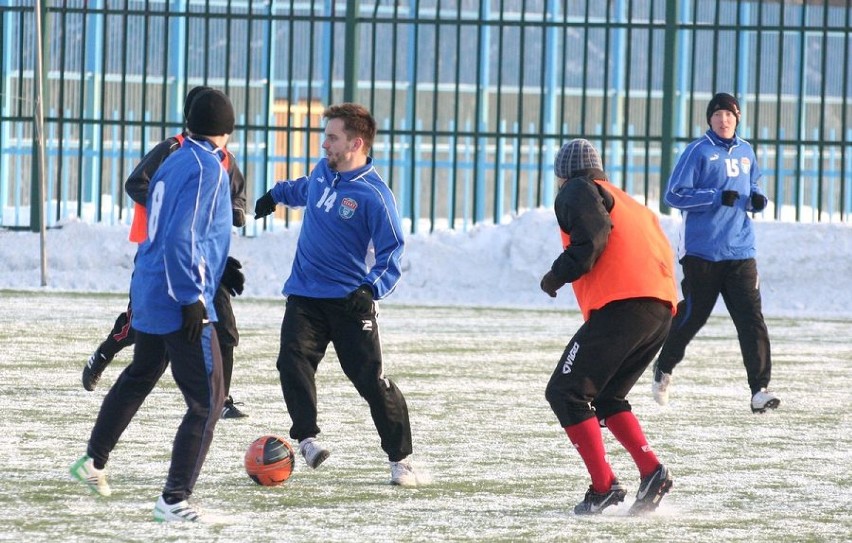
x: 136, y: 185
x: 582, y: 212
x: 238, y: 191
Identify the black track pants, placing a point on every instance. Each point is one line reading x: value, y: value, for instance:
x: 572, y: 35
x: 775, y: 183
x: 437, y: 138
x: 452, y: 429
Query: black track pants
x: 121, y: 336
x: 309, y: 325
x: 197, y: 370
x: 605, y: 358
x: 738, y: 283
x: 226, y: 331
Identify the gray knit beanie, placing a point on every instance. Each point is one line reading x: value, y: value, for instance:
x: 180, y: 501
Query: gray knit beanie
x: 576, y: 155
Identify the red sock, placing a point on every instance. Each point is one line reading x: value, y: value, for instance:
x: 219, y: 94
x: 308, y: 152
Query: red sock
x: 627, y: 431
x: 587, y: 439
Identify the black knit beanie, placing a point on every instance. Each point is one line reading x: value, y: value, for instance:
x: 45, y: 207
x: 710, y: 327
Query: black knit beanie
x: 190, y: 96
x: 211, y: 114
x: 723, y: 100
x: 578, y: 154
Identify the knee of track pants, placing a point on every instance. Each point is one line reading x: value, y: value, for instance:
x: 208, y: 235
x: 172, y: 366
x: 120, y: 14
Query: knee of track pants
x: 606, y: 409
x: 368, y: 383
x: 568, y: 407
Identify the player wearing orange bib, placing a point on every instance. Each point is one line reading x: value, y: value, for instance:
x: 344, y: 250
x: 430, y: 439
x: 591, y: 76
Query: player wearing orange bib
x: 621, y: 267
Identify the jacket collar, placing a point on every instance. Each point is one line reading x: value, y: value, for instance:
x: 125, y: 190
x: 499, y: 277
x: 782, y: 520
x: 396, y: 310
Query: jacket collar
x: 719, y: 142
x: 356, y: 173
x: 590, y: 174
x: 207, y: 145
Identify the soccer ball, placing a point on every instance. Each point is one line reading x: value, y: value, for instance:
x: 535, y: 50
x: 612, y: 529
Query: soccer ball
x: 269, y: 460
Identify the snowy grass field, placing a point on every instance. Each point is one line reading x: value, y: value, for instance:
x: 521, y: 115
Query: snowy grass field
x: 500, y: 467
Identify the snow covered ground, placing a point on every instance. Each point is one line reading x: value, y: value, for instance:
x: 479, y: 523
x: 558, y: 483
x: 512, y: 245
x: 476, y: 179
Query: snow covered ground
x: 498, y: 466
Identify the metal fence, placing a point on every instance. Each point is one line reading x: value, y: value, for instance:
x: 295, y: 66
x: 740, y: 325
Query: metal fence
x: 473, y: 98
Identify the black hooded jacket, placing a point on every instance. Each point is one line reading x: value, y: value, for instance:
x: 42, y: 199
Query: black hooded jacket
x: 582, y: 210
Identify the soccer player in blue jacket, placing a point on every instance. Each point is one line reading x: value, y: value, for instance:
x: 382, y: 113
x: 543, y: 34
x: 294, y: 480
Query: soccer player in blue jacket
x: 232, y: 283
x: 714, y: 184
x: 350, y: 217
x: 178, y: 268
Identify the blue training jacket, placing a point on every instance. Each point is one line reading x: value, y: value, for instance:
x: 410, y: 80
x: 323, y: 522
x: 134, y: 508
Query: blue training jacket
x: 346, y: 213
x: 189, y: 234
x: 707, y: 167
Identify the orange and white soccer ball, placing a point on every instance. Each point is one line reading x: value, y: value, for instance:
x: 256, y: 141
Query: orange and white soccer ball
x: 269, y: 460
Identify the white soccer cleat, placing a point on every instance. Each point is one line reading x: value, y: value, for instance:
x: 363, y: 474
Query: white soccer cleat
x: 313, y: 452
x: 177, y: 512
x: 84, y: 471
x: 763, y: 400
x: 403, y: 474
x: 660, y: 387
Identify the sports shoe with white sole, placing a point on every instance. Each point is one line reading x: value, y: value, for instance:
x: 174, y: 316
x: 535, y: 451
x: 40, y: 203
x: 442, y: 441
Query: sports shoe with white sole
x: 313, y: 452
x: 595, y: 502
x: 403, y: 474
x: 763, y: 400
x: 84, y: 470
x: 177, y: 512
x: 651, y: 490
x: 660, y: 387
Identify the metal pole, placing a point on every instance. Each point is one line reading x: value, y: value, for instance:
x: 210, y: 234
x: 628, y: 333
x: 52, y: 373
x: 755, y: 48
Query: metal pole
x: 39, y: 188
x: 668, y: 128
x: 350, y: 76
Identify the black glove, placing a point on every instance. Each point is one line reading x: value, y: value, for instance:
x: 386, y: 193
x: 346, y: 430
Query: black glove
x: 238, y: 217
x: 360, y: 300
x: 233, y: 279
x: 550, y: 283
x: 729, y: 197
x: 194, y: 316
x: 758, y: 201
x: 264, y: 206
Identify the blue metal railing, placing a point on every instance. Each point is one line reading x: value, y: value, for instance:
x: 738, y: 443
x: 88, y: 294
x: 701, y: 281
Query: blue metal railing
x: 473, y: 98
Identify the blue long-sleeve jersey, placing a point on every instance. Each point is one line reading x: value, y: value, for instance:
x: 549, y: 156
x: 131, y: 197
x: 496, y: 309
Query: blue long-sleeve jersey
x: 189, y: 234
x: 707, y: 167
x: 345, y: 213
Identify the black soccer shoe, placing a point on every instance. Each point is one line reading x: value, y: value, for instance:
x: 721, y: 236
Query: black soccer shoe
x: 93, y: 369
x: 230, y: 411
x: 651, y: 491
x: 595, y: 502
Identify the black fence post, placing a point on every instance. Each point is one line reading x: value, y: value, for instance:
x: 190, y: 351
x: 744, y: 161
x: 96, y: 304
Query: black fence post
x: 350, y: 73
x: 669, y: 101
x: 38, y: 163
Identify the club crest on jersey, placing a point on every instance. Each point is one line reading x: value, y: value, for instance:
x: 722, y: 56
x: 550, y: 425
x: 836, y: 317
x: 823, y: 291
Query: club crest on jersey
x: 347, y: 208
x: 745, y: 163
